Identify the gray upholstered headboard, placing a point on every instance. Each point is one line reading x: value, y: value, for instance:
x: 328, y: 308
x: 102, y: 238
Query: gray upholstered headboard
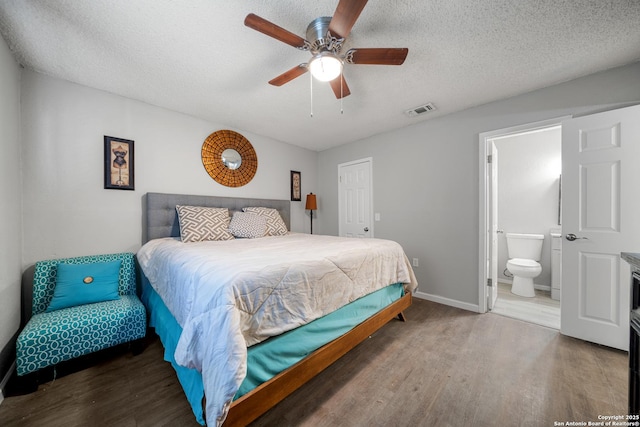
x: 160, y: 218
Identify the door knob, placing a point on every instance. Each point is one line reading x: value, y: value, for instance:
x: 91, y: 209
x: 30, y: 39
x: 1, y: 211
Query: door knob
x: 571, y: 237
x: 366, y: 229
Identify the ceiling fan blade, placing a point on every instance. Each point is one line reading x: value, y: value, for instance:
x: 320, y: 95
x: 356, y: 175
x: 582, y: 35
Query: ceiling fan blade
x: 272, y: 30
x: 287, y: 76
x: 340, y: 91
x: 377, y: 56
x: 345, y: 16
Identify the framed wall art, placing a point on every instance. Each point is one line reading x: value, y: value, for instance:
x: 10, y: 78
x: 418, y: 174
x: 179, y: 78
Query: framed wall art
x: 296, y: 192
x: 118, y: 164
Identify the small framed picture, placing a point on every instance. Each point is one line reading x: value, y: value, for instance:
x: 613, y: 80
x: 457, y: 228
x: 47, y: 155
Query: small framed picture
x: 118, y: 164
x: 296, y: 193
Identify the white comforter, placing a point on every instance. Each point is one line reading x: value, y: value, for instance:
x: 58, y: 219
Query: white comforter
x: 228, y: 295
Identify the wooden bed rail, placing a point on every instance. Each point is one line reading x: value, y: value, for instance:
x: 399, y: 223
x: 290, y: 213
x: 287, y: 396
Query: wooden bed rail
x: 264, y: 397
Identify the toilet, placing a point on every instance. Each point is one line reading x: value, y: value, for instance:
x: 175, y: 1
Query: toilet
x: 524, y: 253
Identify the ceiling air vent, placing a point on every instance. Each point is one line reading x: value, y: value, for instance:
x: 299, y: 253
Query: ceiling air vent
x: 418, y: 111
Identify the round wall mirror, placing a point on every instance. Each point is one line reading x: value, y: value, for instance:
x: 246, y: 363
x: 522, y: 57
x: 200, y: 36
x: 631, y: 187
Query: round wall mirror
x: 229, y: 158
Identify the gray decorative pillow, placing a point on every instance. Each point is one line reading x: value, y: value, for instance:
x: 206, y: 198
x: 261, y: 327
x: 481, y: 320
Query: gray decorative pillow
x: 275, y: 224
x: 198, y: 223
x: 249, y: 225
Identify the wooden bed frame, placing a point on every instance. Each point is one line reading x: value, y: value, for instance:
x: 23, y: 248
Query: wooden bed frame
x: 161, y: 220
x: 264, y: 397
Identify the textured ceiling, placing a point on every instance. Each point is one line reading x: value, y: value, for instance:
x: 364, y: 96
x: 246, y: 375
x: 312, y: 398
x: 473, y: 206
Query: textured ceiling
x: 197, y: 57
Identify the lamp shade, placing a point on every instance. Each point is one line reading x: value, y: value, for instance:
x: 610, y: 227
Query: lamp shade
x: 312, y: 204
x: 325, y: 66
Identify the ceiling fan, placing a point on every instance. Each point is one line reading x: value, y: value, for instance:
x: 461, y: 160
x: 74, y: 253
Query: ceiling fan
x: 325, y: 38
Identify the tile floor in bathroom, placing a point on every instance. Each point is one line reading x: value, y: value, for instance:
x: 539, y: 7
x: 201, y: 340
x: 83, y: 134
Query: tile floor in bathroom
x: 540, y: 309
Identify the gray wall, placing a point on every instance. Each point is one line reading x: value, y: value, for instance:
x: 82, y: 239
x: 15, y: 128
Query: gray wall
x: 51, y: 169
x: 425, y: 177
x: 529, y: 167
x: 66, y: 210
x: 10, y: 195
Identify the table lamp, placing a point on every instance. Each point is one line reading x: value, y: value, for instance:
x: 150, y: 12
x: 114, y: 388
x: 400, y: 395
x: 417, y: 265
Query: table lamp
x: 312, y: 205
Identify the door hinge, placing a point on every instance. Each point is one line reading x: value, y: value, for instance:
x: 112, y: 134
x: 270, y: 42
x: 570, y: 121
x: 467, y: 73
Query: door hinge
x: 489, y: 158
x: 490, y: 282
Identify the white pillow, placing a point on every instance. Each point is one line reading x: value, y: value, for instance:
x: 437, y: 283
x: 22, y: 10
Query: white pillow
x: 275, y: 224
x: 248, y: 225
x: 199, y: 223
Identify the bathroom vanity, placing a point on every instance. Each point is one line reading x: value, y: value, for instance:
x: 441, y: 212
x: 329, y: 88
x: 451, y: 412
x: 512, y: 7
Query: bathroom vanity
x: 634, y: 333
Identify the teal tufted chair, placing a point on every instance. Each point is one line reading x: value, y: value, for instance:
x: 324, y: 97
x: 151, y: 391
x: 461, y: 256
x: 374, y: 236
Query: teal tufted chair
x: 50, y: 338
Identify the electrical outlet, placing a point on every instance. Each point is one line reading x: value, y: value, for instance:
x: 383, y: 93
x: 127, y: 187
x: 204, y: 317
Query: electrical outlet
x: 416, y: 263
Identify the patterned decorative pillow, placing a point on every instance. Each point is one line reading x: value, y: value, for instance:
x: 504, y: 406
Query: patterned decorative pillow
x: 249, y: 225
x: 275, y: 224
x: 198, y: 223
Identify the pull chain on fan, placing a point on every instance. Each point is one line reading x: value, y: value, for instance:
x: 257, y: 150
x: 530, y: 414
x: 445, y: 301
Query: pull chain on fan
x: 311, y: 92
x: 341, y: 98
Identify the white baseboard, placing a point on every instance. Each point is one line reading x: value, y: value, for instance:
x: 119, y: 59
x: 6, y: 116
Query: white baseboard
x: 5, y: 380
x: 447, y: 301
x: 535, y: 285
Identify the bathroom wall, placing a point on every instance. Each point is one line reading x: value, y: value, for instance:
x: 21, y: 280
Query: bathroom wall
x: 529, y: 167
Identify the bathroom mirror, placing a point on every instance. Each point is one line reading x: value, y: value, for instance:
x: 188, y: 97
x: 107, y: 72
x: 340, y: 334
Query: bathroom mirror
x: 229, y: 158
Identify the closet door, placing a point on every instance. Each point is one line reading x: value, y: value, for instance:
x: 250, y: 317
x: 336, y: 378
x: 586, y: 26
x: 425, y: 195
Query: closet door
x: 355, y: 205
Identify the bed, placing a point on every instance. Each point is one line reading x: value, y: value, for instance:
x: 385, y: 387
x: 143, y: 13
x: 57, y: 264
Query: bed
x: 238, y: 340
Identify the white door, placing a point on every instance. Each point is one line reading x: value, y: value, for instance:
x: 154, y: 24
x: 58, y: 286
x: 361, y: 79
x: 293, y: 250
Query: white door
x: 493, y: 230
x: 354, y: 204
x: 600, y: 207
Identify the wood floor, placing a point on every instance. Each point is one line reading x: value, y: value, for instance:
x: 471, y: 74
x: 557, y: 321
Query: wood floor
x: 541, y: 309
x: 443, y: 367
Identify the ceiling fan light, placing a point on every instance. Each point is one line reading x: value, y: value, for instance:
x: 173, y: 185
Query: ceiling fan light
x: 325, y: 66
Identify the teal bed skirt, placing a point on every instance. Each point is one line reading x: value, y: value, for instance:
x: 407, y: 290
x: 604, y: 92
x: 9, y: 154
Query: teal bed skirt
x: 270, y: 357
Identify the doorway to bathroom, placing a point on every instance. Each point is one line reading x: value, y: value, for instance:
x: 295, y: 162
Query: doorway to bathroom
x: 599, y: 221
x: 524, y: 197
